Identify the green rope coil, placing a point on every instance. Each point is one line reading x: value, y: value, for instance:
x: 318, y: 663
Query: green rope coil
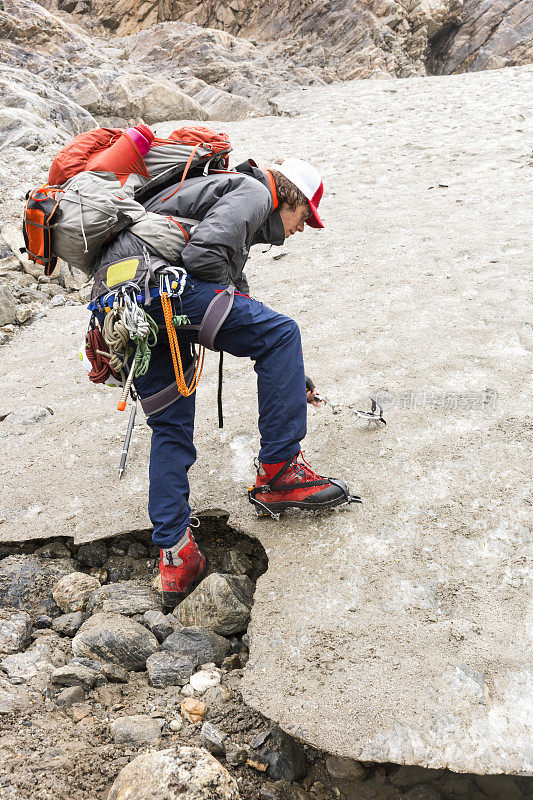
x: 143, y: 352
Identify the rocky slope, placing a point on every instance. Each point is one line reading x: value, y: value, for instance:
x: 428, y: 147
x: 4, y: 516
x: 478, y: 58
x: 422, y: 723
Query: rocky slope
x: 348, y: 38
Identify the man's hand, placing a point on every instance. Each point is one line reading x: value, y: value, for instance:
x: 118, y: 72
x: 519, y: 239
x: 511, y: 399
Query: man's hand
x: 312, y: 398
x: 312, y: 393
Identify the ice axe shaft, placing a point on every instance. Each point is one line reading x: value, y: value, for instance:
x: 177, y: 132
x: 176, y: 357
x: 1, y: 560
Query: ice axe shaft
x: 126, y: 447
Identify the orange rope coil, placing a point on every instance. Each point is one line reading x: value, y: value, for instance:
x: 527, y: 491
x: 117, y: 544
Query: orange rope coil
x: 183, y: 389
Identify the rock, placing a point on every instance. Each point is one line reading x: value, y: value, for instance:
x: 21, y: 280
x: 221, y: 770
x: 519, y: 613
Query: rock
x: 7, y: 306
x: 224, y: 106
x: 421, y: 792
x: 232, y: 662
x: 72, y: 593
x: 115, y: 638
x: 58, y: 300
x: 160, y: 624
x: 213, y: 739
x: 115, y: 674
x: 8, y: 702
x: 199, y: 642
x: 52, y: 550
x: 283, y: 790
x: 93, y: 554
x: 119, y: 569
x: 69, y: 624
x: 127, y: 597
x: 203, y: 680
x: 187, y: 690
x: 99, y: 573
x: 346, y: 769
x: 490, y: 36
x: 136, y: 730
x: 42, y: 621
x: 26, y: 582
x: 15, y: 630
x: 137, y: 550
x: 236, y: 755
x: 193, y: 710
x: 43, y: 632
x: 177, y: 773
x: 406, y: 776
x: 81, y: 712
x: 454, y: 786
x: 220, y: 603
x: 72, y: 694
x: 170, y: 669
x: 236, y: 562
x: 176, y: 725
x: 286, y: 758
x: 22, y: 314
x: 29, y: 415
x: 498, y: 787
x: 155, y: 100
x: 74, y: 674
x: 36, y: 664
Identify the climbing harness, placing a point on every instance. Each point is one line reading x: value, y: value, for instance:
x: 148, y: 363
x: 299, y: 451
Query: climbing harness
x: 374, y: 415
x: 274, y: 510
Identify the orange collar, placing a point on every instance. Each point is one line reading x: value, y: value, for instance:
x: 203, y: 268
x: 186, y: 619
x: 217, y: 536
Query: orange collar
x: 272, y: 188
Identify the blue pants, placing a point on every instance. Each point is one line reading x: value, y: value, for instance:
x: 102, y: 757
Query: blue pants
x: 251, y: 330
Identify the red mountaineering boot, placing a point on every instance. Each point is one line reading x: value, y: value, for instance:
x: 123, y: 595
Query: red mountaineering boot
x: 180, y: 566
x: 293, y: 484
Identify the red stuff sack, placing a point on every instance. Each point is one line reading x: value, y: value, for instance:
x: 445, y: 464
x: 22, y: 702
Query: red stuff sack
x: 89, y: 151
x: 40, y: 213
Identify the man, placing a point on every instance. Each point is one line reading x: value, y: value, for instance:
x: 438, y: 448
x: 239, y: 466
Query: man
x: 236, y: 210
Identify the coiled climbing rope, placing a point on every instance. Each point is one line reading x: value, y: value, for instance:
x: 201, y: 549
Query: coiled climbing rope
x: 183, y: 389
x: 127, y: 322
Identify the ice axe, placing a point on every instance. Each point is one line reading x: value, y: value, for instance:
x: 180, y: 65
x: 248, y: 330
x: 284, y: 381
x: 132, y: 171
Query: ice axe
x: 374, y: 415
x: 310, y: 387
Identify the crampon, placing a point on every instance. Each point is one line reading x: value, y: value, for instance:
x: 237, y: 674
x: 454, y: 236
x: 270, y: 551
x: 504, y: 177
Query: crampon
x: 294, y: 484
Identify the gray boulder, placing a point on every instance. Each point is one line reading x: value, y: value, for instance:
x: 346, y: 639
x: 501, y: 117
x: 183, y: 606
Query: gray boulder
x: 115, y: 638
x: 206, y: 647
x: 70, y: 695
x: 15, y: 630
x: 93, y: 554
x: 286, y: 758
x: 161, y: 625
x: 52, y: 550
x: 220, y: 603
x: 136, y: 730
x: 236, y: 562
x: 127, y: 597
x: 170, y: 669
x: 178, y: 773
x: 26, y: 582
x: 213, y: 739
x: 69, y: 624
x: 74, y: 674
x: 131, y: 94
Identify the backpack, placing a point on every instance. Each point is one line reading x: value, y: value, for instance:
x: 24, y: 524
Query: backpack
x: 95, y: 187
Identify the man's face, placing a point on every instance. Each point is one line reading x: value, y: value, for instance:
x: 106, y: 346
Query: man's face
x: 293, y: 220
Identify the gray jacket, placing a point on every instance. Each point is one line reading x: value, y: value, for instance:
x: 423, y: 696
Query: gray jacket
x: 236, y: 211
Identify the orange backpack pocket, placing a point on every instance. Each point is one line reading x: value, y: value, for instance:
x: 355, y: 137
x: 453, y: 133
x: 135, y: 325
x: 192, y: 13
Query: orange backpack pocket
x: 40, y: 213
